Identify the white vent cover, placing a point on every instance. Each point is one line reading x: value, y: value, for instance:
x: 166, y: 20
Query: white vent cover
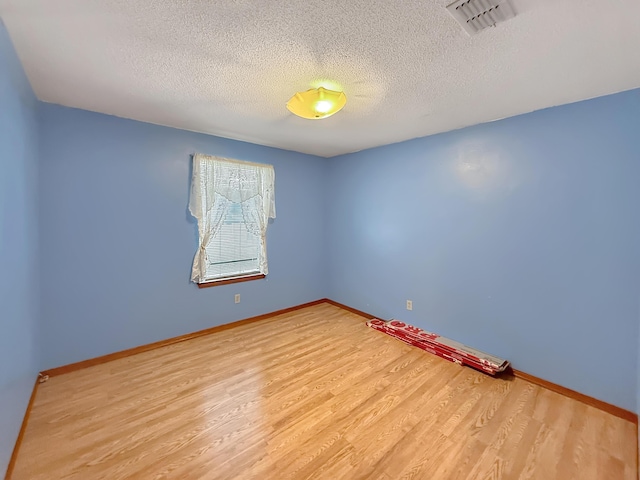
x: 476, y: 15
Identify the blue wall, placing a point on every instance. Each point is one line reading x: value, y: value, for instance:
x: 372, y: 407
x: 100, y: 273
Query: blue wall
x: 117, y: 241
x: 18, y: 246
x: 519, y: 237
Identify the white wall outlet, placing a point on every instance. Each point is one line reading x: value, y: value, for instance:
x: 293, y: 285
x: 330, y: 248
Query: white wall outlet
x: 236, y: 298
x: 409, y: 305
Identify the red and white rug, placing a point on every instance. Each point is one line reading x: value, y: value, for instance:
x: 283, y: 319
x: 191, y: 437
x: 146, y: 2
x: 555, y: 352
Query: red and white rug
x: 441, y: 346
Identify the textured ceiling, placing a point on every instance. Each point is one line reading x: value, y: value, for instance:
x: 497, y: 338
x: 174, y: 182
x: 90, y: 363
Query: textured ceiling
x: 228, y: 67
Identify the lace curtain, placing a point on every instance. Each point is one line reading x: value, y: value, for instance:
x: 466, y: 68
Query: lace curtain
x: 217, y: 183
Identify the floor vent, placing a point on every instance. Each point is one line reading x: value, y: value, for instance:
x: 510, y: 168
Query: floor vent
x: 477, y: 15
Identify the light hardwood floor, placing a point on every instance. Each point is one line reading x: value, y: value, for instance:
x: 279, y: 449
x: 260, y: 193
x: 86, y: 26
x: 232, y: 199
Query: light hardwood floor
x: 311, y: 394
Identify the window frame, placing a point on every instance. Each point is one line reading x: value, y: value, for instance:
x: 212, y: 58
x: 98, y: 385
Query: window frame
x: 206, y: 183
x: 230, y: 280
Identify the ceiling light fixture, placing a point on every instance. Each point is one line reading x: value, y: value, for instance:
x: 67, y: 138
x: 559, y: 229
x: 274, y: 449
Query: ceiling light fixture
x: 316, y: 103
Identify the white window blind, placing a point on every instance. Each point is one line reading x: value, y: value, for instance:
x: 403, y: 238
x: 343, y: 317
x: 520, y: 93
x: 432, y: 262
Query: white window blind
x: 232, y: 202
x: 235, y: 249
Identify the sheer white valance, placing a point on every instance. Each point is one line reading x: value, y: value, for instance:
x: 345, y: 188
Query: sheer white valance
x: 220, y: 186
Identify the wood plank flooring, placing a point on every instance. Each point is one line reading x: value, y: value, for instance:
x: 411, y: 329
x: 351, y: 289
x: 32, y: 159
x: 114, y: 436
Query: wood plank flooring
x: 311, y: 394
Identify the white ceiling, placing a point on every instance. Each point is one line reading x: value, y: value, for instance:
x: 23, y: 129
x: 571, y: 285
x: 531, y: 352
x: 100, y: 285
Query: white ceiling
x: 408, y: 69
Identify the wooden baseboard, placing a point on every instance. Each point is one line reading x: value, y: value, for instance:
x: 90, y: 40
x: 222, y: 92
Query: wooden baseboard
x: 366, y: 315
x: 72, y: 367
x: 581, y: 397
x: 23, y: 427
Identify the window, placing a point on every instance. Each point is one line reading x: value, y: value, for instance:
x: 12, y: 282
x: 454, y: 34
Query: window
x: 232, y: 202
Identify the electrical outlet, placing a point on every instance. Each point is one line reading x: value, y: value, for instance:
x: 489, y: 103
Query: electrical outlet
x: 409, y: 305
x: 237, y: 298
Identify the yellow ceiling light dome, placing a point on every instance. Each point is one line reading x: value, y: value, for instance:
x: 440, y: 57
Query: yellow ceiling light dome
x: 317, y: 103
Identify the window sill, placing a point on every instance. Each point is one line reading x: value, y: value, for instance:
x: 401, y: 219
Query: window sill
x: 227, y: 281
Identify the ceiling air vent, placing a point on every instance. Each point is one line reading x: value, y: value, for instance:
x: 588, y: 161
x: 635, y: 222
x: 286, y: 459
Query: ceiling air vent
x: 476, y: 15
